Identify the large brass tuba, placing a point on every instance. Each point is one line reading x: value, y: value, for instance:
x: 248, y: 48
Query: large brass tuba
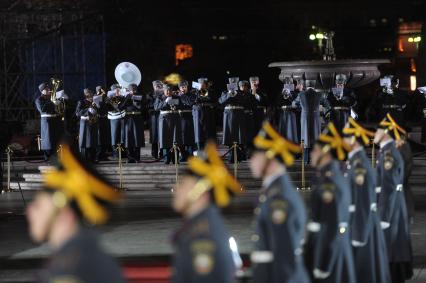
x: 59, y: 104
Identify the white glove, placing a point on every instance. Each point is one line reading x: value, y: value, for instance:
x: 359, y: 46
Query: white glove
x: 57, y: 102
x: 168, y: 99
x: 384, y: 225
x: 92, y: 110
x: 257, y: 97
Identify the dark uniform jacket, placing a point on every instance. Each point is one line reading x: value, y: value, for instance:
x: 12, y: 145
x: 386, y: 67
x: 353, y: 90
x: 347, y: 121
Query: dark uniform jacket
x: 50, y: 123
x: 391, y: 204
x: 115, y: 116
x: 187, y: 120
x: 259, y: 107
x: 310, y: 120
x: 169, y: 124
x: 104, y: 133
x: 340, y: 108
x: 89, y: 125
x: 329, y: 251
x: 202, y: 250
x: 133, y: 130
x: 368, y: 242
x: 287, y: 117
x: 153, y: 116
x: 280, y: 230
x: 82, y: 260
x: 204, y: 114
x: 393, y: 104
x: 234, y: 118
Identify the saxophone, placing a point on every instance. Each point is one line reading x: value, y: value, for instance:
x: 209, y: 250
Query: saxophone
x: 59, y: 104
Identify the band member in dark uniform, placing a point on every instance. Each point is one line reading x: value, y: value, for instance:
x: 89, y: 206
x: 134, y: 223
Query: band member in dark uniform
x: 280, y: 213
x: 261, y: 103
x: 153, y: 117
x: 287, y: 123
x: 391, y: 200
x: 115, y: 116
x: 134, y: 136
x: 234, y: 119
x: 391, y: 100
x: 340, y: 101
x: 422, y: 106
x: 63, y: 215
x: 204, y: 114
x: 87, y: 112
x: 310, y: 101
x: 328, y: 252
x: 252, y: 101
x: 203, y: 253
x: 368, y: 241
x: 104, y: 133
x: 169, y: 125
x: 50, y: 122
x: 187, y: 121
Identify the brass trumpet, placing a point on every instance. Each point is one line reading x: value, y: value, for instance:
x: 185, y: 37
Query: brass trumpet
x: 204, y: 92
x: 59, y: 107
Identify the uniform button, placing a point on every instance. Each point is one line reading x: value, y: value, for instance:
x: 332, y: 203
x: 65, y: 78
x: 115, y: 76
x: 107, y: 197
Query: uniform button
x: 328, y: 174
x: 257, y: 211
x: 262, y: 198
x: 342, y: 230
x: 254, y: 237
x: 345, y: 175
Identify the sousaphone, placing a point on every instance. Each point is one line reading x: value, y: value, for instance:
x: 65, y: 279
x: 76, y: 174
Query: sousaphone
x: 127, y: 73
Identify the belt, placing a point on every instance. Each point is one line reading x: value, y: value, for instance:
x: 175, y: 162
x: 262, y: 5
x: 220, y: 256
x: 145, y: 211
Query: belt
x: 392, y: 106
x: 229, y: 107
x: 399, y: 188
x: 116, y: 115
x: 205, y: 105
x: 45, y: 115
x: 85, y: 118
x: 289, y: 107
x: 134, y: 113
x: 169, y: 112
x: 341, y: 108
x: 184, y: 111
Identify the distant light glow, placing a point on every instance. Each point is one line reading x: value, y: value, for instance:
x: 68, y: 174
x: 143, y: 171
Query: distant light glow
x: 413, y: 83
x: 410, y: 39
x: 417, y: 39
x: 413, y: 66
x: 182, y: 52
x: 173, y: 79
x: 319, y: 36
x: 312, y: 36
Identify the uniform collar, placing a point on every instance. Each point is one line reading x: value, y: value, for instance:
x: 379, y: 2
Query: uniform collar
x: 385, y: 143
x: 270, y: 179
x: 354, y: 152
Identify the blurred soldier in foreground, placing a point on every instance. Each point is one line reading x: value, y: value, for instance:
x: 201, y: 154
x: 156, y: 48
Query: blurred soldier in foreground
x: 204, y: 114
x: 169, y: 124
x: 310, y: 101
x: 104, y: 132
x: 287, y: 123
x: 153, y: 117
x: 187, y: 121
x: 280, y: 213
x: 341, y: 100
x: 50, y: 121
x: 203, y: 254
x: 329, y: 251
x: 368, y: 242
x: 73, y: 196
x: 391, y: 200
x: 87, y: 112
x: 235, y: 102
x: 134, y: 136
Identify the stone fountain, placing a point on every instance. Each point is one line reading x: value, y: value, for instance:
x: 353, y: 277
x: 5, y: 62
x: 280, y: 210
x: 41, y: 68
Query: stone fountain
x: 359, y: 72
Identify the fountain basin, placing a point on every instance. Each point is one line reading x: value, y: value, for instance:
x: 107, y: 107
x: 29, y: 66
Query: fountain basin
x: 360, y: 72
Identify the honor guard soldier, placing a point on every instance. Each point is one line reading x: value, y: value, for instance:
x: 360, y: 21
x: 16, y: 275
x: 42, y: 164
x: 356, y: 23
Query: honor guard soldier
x: 50, y: 121
x: 287, y: 121
x: 169, y: 124
x: 250, y: 108
x: 115, y: 116
x: 203, y: 253
x: 104, y: 132
x: 234, y: 119
x: 187, y: 121
x: 134, y: 136
x: 368, y: 243
x: 260, y: 104
x: 391, y: 200
x: 329, y: 251
x: 280, y: 214
x: 87, y: 112
x: 310, y: 120
x: 341, y: 101
x: 153, y: 117
x: 391, y: 100
x: 204, y: 114
x: 73, y: 200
